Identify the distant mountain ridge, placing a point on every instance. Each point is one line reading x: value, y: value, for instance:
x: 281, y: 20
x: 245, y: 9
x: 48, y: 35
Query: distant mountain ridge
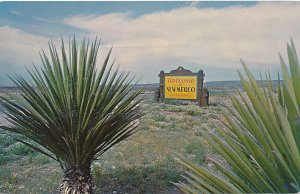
x: 211, y: 84
x: 214, y: 84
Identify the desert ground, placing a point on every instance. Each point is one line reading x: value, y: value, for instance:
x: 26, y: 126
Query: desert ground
x: 143, y: 163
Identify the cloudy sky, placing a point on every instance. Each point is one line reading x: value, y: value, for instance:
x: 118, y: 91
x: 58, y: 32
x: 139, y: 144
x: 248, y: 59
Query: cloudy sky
x: 151, y: 36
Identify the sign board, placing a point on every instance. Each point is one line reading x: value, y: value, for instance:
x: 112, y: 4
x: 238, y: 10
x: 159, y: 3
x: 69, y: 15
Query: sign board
x: 182, y: 84
x: 181, y: 87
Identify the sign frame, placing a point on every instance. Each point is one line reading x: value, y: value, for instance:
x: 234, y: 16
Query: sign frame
x: 202, y: 94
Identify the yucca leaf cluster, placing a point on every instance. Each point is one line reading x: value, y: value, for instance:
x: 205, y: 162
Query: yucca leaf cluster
x: 71, y: 111
x: 261, y: 141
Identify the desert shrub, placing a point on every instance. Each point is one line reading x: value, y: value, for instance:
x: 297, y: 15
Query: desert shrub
x: 144, y: 126
x: 199, y: 129
x: 6, y: 140
x: 171, y: 101
x: 197, y: 149
x: 193, y: 145
x: 162, y: 125
x: 182, y: 124
x: 96, y: 170
x: 40, y: 159
x: 5, y: 175
x: 193, y: 111
x: 172, y: 126
x: 3, y: 159
x: 159, y: 117
x: 174, y: 108
x: 146, y: 122
x: 20, y: 149
x: 199, y: 156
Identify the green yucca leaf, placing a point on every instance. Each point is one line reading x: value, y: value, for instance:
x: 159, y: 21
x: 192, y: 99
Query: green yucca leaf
x: 200, y: 184
x: 295, y: 71
x: 236, y: 180
x: 207, y: 176
x: 262, y: 141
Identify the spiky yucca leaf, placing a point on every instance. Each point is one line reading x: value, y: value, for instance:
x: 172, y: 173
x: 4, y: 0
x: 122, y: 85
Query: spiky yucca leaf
x: 261, y: 143
x: 72, y: 110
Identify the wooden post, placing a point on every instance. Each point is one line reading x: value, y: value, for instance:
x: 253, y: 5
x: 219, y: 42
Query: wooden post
x: 156, y: 94
x: 200, y: 87
x: 206, y: 97
x: 161, y: 76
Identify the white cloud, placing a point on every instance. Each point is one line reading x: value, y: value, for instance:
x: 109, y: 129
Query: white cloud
x: 18, y: 49
x: 194, y: 38
x: 45, y: 20
x: 185, y: 36
x: 16, y: 13
x: 194, y: 3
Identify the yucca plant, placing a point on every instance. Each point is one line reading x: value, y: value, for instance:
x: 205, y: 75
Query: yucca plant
x: 72, y: 112
x: 261, y: 141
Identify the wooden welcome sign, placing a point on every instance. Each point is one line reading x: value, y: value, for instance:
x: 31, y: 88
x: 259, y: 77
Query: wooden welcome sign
x: 182, y: 84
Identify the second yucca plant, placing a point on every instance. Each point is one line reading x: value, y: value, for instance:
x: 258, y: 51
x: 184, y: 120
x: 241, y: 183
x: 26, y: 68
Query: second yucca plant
x: 261, y: 143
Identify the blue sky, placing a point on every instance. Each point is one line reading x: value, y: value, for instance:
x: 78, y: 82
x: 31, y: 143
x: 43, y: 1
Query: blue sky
x: 153, y: 36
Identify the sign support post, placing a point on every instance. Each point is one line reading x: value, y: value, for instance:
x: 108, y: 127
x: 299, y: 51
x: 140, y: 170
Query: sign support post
x: 161, y: 85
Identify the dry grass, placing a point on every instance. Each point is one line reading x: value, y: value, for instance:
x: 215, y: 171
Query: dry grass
x: 141, y: 164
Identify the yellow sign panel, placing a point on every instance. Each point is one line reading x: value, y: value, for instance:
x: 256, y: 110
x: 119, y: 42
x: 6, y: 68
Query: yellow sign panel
x: 181, y: 87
